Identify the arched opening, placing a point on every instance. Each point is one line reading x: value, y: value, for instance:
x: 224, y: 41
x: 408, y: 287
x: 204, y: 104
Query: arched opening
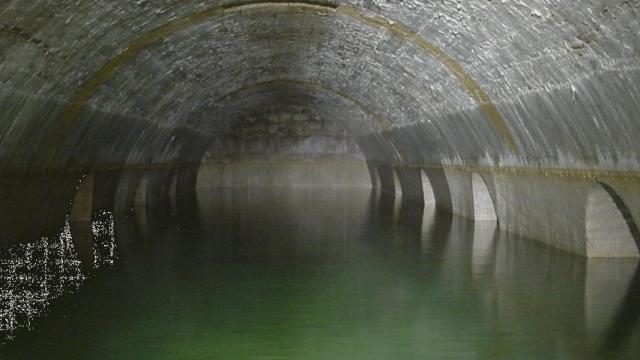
x: 483, y: 209
x: 610, y: 229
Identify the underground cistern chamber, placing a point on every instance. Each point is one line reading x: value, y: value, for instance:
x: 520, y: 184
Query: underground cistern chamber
x: 319, y: 179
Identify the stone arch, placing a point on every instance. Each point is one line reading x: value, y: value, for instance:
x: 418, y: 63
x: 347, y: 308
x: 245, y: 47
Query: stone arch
x: 610, y: 229
x: 483, y: 208
x: 467, y: 83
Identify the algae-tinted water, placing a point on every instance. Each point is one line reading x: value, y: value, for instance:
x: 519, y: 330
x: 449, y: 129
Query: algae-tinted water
x: 318, y: 273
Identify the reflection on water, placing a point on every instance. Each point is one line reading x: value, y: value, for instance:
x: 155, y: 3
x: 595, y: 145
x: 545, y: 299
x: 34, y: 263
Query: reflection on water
x: 104, y: 242
x: 33, y: 275
x: 317, y: 273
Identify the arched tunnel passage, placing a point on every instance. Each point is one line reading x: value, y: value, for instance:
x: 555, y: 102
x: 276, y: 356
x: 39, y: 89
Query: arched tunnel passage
x: 369, y: 148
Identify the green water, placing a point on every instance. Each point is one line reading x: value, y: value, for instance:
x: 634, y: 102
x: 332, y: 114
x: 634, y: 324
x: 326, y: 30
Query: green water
x: 334, y: 274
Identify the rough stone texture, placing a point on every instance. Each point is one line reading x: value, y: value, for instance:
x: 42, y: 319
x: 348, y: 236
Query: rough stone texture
x: 99, y: 85
x: 562, y: 75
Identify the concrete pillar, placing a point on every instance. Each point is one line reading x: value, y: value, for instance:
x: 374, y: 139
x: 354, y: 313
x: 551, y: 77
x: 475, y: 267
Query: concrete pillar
x: 441, y: 190
x: 461, y: 193
x: 386, y: 176
x: 427, y: 190
x: 411, y: 183
x: 483, y: 209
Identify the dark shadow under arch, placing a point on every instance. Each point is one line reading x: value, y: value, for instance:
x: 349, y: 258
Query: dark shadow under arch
x: 441, y: 189
x: 624, y: 211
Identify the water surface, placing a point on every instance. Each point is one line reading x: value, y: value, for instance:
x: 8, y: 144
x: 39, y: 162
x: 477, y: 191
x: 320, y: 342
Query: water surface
x: 315, y: 273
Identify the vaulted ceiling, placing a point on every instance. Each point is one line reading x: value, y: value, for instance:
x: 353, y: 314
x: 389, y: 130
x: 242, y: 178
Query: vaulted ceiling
x: 89, y: 83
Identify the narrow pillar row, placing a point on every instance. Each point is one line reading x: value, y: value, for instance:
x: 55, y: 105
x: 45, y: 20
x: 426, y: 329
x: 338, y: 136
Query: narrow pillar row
x: 411, y: 183
x: 387, y: 183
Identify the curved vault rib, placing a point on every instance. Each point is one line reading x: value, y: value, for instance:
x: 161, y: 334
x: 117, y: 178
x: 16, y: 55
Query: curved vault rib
x: 111, y: 66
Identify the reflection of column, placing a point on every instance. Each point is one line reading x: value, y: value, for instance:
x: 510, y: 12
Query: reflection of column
x: 536, y: 292
x: 33, y: 274
x: 456, y: 255
x: 83, y: 201
x: 435, y: 234
x: 569, y: 302
x: 484, y: 233
x: 387, y: 206
x: 104, y: 241
x: 80, y: 222
x: 625, y: 320
x: 428, y: 223
x: 607, y: 283
x: 410, y: 216
x: 82, y: 242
